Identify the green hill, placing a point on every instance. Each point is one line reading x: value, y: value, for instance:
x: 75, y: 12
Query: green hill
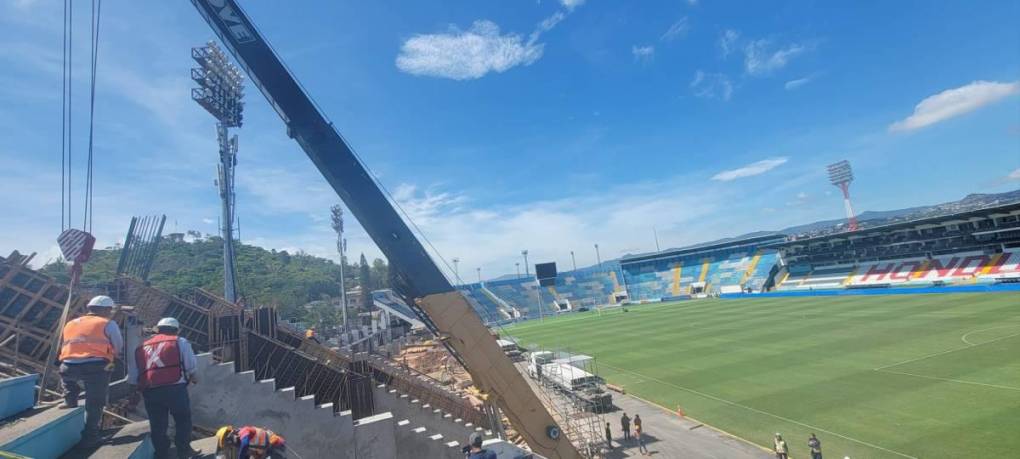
x: 265, y: 277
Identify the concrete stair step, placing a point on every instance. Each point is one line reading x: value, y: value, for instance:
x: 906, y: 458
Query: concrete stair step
x: 207, y: 447
x: 129, y: 441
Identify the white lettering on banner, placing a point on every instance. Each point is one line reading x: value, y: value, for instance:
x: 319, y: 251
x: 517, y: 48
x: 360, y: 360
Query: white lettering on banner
x: 152, y: 359
x: 233, y: 22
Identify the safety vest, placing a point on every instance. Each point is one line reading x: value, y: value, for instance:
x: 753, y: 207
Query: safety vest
x: 85, y: 337
x: 260, y: 439
x: 159, y: 362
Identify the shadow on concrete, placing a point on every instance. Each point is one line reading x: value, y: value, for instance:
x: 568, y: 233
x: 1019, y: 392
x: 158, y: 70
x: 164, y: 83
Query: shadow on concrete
x: 629, y: 448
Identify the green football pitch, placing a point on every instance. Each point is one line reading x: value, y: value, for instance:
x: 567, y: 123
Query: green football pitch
x: 895, y: 376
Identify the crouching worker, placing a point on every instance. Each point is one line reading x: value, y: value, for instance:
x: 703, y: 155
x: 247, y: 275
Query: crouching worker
x: 249, y: 443
x: 166, y: 365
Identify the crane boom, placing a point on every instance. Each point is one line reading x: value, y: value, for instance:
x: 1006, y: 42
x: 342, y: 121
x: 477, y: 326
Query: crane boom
x: 442, y: 307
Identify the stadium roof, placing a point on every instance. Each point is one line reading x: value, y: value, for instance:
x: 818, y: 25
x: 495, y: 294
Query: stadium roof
x: 1000, y: 210
x: 704, y: 248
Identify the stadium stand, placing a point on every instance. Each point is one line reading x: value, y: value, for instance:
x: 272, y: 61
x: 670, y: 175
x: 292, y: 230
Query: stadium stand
x: 740, y: 265
x: 491, y: 308
x: 974, y: 247
x: 590, y: 287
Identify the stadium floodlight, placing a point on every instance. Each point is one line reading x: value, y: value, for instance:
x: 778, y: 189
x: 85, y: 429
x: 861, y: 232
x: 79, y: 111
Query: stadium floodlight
x: 220, y: 90
x: 220, y: 84
x: 527, y: 273
x: 840, y: 175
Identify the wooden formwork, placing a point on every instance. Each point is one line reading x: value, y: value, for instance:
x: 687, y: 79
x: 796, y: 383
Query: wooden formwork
x: 152, y: 304
x: 30, y: 308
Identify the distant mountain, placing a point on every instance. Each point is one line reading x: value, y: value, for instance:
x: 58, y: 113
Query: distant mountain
x: 884, y: 217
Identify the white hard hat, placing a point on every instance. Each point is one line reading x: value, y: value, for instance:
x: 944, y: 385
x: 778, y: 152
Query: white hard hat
x: 101, y: 301
x: 169, y: 322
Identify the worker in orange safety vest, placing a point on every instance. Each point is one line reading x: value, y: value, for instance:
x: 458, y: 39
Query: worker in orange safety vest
x: 88, y: 347
x: 249, y: 442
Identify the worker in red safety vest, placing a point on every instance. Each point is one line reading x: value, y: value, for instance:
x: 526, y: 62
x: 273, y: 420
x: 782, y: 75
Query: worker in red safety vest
x: 164, y: 366
x: 249, y: 442
x: 88, y: 347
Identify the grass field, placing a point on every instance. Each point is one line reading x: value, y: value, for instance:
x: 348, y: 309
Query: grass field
x: 902, y: 376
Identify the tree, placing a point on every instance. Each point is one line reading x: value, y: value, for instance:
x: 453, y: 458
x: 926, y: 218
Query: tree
x: 380, y: 274
x: 366, y: 284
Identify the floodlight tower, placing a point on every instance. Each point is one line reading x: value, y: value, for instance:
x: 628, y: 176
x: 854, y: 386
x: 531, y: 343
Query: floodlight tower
x: 220, y: 90
x: 841, y: 175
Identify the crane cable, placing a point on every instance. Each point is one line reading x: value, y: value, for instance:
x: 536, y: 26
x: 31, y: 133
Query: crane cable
x: 65, y: 120
x: 97, y: 6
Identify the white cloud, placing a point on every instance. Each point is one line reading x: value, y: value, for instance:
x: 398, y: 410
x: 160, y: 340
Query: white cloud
x: 465, y: 55
x: 489, y: 236
x: 643, y: 53
x: 728, y: 41
x: 571, y: 4
x: 955, y: 102
x: 679, y: 29
x: 711, y: 85
x: 761, y: 59
x: 1015, y: 175
x: 794, y: 84
x: 750, y: 170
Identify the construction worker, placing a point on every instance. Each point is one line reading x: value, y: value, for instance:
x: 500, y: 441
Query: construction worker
x: 165, y: 365
x: 249, y: 443
x: 779, y: 446
x: 474, y: 448
x: 89, y: 344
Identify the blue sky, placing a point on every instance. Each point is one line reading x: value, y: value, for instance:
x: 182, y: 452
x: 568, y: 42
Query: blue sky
x: 540, y: 125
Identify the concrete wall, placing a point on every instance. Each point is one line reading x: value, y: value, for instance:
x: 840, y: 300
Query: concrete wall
x: 223, y: 397
x: 405, y: 427
x: 375, y: 437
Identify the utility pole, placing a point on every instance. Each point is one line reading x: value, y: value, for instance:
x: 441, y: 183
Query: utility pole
x: 479, y: 275
x: 526, y: 272
x: 598, y: 258
x: 456, y: 270
x: 337, y: 214
x: 518, y: 265
x: 220, y: 90
x: 573, y: 260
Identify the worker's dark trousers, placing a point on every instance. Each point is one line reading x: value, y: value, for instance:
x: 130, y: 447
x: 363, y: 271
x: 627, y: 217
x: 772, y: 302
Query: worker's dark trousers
x: 96, y: 379
x: 160, y: 403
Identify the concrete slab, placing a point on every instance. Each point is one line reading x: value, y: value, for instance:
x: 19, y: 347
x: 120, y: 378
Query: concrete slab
x: 375, y: 437
x: 130, y: 441
x: 668, y: 435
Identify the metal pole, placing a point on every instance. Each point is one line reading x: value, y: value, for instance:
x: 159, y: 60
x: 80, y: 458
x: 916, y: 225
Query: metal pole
x: 573, y: 260
x: 656, y: 234
x: 456, y: 269
x: 479, y: 275
x: 343, y: 288
x: 598, y: 258
x: 228, y: 159
x: 526, y: 272
x: 518, y: 265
